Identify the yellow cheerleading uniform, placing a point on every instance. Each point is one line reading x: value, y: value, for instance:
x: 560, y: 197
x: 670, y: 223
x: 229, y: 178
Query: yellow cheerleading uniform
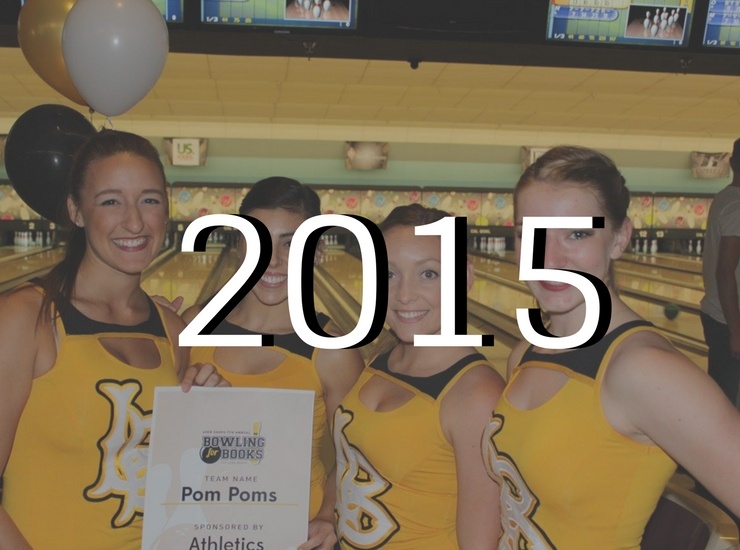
x: 568, y: 479
x: 76, y: 473
x: 296, y: 372
x: 396, y: 477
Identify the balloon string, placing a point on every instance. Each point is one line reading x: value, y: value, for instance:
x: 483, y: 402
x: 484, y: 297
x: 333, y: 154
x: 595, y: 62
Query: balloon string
x: 109, y: 122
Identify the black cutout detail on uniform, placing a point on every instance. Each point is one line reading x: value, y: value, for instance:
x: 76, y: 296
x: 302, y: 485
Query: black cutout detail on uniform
x: 77, y: 323
x: 290, y: 342
x: 585, y: 360
x: 430, y: 385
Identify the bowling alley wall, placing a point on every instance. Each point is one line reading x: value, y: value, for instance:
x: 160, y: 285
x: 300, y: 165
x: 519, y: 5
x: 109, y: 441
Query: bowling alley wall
x: 475, y: 181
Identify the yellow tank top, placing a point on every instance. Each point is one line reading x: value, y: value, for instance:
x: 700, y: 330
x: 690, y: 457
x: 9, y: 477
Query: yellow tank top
x: 396, y: 478
x: 76, y: 473
x: 296, y: 372
x: 568, y: 479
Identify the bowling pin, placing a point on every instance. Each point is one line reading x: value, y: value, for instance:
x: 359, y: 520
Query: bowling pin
x: 327, y: 5
x: 644, y: 246
x: 647, y: 23
x: 654, y: 247
x: 691, y: 247
x: 317, y: 11
x: 654, y: 30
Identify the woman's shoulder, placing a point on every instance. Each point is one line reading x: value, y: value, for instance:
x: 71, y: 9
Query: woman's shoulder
x: 20, y: 310
x: 477, y: 384
x: 646, y: 357
x: 21, y: 302
x: 172, y: 320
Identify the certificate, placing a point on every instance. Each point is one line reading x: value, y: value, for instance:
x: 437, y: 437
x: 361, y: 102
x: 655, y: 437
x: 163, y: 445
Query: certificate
x: 229, y: 469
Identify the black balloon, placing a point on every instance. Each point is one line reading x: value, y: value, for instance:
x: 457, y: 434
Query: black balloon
x: 39, y: 152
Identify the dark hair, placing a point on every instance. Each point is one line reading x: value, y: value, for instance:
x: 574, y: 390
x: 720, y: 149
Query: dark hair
x: 59, y: 283
x: 281, y: 192
x: 411, y: 215
x: 735, y: 158
x: 568, y: 164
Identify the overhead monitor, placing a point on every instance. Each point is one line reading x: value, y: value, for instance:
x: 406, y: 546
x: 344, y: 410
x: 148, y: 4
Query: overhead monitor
x: 656, y: 23
x: 281, y: 14
x: 171, y: 10
x: 722, y: 29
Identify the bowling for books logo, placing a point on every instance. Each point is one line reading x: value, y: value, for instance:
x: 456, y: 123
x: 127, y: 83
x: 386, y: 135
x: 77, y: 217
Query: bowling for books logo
x: 233, y: 446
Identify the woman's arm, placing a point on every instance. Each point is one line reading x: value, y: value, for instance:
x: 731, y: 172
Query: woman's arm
x: 466, y: 411
x: 338, y: 371
x: 652, y: 391
x: 19, y: 342
x: 198, y: 374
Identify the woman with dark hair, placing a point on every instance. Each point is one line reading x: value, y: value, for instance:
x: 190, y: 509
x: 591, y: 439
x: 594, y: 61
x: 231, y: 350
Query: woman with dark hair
x: 584, y: 440
x: 282, y: 204
x: 83, y: 350
x: 407, y: 436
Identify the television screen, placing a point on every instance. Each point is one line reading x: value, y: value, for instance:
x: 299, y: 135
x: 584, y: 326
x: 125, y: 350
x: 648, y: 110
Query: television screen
x: 723, y: 24
x: 171, y: 10
x: 657, y: 23
x: 284, y: 14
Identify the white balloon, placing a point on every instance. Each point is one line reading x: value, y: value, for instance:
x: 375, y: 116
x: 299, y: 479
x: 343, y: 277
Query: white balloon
x: 115, y: 51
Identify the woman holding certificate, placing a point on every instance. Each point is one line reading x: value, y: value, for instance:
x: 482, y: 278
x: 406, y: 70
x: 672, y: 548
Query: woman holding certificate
x: 282, y: 204
x: 82, y: 350
x: 584, y: 440
x: 409, y: 469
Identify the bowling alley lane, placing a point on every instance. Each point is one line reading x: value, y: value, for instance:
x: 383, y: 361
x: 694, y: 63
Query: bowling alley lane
x: 657, y: 272
x: 691, y: 264
x: 9, y: 252
x: 658, y: 286
x: 184, y: 274
x: 15, y: 267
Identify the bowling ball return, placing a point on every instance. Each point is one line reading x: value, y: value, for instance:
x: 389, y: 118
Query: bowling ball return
x: 671, y: 311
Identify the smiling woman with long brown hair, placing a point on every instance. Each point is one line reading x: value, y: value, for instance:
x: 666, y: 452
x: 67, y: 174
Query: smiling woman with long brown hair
x: 82, y: 351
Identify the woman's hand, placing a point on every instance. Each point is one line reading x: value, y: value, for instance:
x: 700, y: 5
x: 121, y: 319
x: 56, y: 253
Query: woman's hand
x: 174, y: 305
x: 321, y: 535
x: 203, y: 374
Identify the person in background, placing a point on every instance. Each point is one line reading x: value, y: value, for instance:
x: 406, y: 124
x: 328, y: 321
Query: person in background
x: 720, y: 307
x: 82, y: 351
x: 282, y: 204
x: 407, y: 436
x: 583, y: 441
